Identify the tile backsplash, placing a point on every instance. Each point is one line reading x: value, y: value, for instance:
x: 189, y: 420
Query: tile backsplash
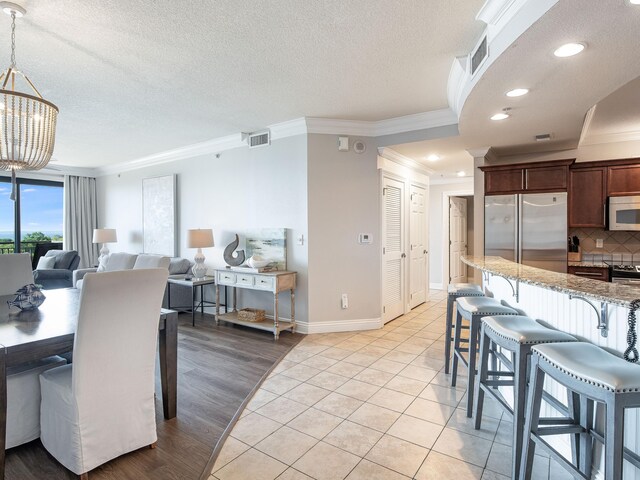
x: 619, y: 247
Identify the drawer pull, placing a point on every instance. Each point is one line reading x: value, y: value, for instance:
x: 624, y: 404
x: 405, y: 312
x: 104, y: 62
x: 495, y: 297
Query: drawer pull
x: 589, y: 274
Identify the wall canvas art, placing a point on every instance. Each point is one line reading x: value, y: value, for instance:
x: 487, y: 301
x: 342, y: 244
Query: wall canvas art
x: 270, y: 244
x: 159, y: 215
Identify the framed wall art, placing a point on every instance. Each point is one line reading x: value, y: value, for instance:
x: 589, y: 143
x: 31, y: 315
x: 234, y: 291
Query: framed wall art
x: 159, y: 215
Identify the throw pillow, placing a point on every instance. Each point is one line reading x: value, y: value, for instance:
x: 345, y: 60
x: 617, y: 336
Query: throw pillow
x: 46, y: 263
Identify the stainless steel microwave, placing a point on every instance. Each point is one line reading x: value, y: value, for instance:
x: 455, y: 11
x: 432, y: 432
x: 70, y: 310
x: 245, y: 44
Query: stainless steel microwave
x: 624, y: 213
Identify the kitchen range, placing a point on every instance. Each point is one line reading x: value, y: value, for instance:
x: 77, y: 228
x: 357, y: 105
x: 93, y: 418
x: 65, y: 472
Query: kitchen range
x: 625, y: 274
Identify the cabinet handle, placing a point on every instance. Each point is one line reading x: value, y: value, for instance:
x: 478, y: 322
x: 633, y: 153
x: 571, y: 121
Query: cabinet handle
x: 589, y: 274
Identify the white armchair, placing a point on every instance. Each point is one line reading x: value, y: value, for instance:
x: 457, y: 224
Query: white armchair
x: 102, y: 405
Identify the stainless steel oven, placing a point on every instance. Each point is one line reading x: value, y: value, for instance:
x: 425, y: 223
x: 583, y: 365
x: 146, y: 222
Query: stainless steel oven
x: 624, y: 213
x: 625, y: 274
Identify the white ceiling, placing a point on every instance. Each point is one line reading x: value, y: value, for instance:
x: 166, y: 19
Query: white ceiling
x: 562, y: 90
x: 140, y: 77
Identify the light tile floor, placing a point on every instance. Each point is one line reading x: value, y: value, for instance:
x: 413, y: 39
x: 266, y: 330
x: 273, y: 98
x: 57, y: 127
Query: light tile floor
x: 370, y: 405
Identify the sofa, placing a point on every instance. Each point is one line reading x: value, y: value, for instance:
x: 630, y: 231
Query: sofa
x: 177, y: 267
x: 62, y: 272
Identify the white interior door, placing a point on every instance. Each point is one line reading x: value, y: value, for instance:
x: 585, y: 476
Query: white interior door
x: 457, y: 239
x: 393, y: 283
x: 418, y: 267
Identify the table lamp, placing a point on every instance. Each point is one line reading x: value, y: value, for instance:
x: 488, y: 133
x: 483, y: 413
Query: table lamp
x: 199, y: 238
x: 104, y: 236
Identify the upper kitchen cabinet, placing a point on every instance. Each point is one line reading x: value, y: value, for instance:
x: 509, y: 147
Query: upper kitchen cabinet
x: 587, y: 197
x: 624, y: 180
x: 526, y: 177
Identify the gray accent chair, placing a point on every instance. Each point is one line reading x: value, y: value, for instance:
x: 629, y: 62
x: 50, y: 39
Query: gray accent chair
x: 61, y: 275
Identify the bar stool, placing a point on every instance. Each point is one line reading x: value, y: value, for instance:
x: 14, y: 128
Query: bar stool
x: 456, y: 290
x: 517, y: 334
x: 591, y: 375
x: 472, y: 309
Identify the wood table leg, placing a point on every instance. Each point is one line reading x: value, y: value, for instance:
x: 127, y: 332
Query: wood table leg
x: 168, y: 339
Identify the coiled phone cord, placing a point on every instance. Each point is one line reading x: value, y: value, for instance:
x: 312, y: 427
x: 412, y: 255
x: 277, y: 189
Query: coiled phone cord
x: 631, y: 353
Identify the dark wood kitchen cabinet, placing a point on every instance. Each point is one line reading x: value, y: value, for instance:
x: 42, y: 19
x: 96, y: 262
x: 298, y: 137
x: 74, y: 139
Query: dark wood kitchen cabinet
x: 538, y: 177
x: 595, y: 273
x: 624, y: 180
x: 587, y: 197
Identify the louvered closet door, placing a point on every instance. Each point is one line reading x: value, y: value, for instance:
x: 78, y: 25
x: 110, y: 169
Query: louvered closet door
x: 393, y: 249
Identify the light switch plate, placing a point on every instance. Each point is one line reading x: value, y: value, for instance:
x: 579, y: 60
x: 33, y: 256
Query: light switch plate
x: 599, y: 243
x: 343, y: 144
x: 365, y: 238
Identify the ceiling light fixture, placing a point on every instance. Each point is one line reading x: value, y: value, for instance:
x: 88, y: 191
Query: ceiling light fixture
x: 517, y: 92
x: 634, y: 2
x: 569, y: 50
x: 28, y: 132
x: 460, y: 173
x: 433, y: 157
x: 500, y: 116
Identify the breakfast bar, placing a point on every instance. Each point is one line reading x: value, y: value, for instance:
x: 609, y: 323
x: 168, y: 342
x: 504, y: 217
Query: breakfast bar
x: 591, y: 310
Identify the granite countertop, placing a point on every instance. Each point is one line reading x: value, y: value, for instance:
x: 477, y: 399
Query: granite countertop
x: 612, y: 293
x: 588, y: 264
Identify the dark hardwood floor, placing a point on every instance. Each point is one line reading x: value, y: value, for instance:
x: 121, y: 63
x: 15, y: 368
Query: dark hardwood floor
x: 217, y: 368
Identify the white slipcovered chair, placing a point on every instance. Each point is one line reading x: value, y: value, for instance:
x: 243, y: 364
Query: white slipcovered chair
x: 23, y: 386
x: 15, y: 272
x: 102, y: 405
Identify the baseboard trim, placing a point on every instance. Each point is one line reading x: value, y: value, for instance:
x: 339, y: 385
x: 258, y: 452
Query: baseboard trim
x: 339, y: 325
x: 436, y: 286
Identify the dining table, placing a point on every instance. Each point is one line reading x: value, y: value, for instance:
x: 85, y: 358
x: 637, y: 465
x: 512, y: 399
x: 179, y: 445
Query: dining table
x: 29, y: 335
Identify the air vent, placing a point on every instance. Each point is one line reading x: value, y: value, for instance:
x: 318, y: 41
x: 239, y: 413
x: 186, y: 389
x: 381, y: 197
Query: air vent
x: 259, y: 139
x: 479, y: 55
x: 544, y: 137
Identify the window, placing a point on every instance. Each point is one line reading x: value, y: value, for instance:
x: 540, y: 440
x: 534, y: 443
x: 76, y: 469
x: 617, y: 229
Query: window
x: 35, y: 216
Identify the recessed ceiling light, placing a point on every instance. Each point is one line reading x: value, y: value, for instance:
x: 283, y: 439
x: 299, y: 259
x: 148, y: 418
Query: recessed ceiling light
x: 634, y: 2
x: 460, y: 173
x: 569, y: 50
x: 433, y: 157
x: 500, y: 116
x: 518, y: 92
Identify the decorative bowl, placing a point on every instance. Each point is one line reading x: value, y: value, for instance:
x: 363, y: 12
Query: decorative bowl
x: 28, y: 297
x: 256, y: 261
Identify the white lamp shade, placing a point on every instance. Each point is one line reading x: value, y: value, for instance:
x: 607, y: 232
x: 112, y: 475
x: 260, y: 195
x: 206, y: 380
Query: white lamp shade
x: 104, y: 235
x: 200, y: 238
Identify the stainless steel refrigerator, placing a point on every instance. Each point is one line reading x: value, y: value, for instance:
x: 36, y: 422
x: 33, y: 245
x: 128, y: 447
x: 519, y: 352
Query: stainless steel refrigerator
x: 527, y: 228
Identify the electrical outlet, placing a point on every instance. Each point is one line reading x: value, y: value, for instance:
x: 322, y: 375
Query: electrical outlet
x: 599, y: 243
x: 345, y: 301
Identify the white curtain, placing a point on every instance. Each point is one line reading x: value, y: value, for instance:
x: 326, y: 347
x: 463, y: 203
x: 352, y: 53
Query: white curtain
x: 80, y: 218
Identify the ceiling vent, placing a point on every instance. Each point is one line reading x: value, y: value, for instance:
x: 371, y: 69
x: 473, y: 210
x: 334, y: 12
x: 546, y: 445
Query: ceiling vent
x: 545, y: 137
x: 479, y: 55
x: 259, y: 139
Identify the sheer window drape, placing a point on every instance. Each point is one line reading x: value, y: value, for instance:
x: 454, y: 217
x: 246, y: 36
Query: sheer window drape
x: 80, y: 218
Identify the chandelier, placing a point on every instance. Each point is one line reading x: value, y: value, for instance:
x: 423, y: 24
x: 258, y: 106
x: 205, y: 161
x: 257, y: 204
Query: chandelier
x: 27, y: 121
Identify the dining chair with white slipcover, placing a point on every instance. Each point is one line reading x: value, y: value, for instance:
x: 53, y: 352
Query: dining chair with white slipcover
x: 23, y: 386
x: 15, y: 272
x: 102, y: 406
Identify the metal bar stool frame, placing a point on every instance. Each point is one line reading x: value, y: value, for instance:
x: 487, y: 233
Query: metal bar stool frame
x: 489, y: 380
x: 455, y: 291
x: 579, y: 424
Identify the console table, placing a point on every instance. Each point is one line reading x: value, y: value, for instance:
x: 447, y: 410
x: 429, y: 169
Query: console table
x: 272, y: 282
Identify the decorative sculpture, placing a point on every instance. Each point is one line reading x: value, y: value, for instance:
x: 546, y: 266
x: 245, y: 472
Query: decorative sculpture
x: 233, y: 258
x: 28, y: 297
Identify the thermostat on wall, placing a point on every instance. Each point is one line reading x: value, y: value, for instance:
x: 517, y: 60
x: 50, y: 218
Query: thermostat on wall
x: 364, y: 238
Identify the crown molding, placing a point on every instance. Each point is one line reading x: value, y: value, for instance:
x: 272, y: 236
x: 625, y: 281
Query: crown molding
x: 392, y: 155
x: 493, y: 10
x: 359, y: 128
x: 586, y: 124
x: 298, y: 126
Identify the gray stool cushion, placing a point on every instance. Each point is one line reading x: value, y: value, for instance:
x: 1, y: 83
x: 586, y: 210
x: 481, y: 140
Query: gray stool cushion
x: 593, y: 365
x: 462, y: 289
x: 483, y: 306
x: 524, y: 330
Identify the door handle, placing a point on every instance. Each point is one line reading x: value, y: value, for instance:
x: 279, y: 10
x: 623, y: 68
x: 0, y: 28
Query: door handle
x: 425, y: 252
x: 404, y: 255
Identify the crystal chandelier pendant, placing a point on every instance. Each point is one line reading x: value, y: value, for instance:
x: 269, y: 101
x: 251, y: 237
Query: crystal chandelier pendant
x: 27, y: 121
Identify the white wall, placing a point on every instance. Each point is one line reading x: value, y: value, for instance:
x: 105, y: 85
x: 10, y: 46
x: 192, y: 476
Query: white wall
x: 243, y: 189
x: 436, y: 227
x: 343, y: 201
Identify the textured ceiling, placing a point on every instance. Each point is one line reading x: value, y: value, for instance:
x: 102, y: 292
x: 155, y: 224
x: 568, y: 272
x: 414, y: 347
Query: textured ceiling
x: 562, y: 90
x: 139, y: 77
